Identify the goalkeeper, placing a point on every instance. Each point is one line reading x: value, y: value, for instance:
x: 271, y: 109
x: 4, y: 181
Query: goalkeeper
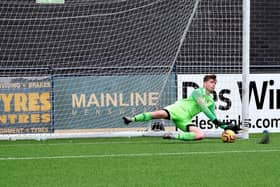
x: 182, y: 112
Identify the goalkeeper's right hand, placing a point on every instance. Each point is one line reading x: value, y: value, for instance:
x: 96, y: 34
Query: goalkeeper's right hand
x: 227, y: 126
x: 218, y: 123
x: 233, y: 127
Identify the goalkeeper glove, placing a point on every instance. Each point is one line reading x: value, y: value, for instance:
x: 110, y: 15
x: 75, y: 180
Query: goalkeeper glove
x: 233, y: 127
x: 218, y: 123
x: 227, y: 126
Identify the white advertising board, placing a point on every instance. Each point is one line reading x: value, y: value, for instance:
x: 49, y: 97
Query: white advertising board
x: 264, y: 107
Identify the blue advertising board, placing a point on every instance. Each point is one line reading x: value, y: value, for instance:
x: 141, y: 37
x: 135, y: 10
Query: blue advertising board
x: 101, y: 101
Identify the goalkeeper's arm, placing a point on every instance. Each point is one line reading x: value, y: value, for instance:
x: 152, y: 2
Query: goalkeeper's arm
x: 227, y: 126
x: 197, y: 95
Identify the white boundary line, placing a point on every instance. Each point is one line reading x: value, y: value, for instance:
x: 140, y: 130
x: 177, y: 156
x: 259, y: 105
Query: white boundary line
x: 124, y: 134
x: 72, y: 142
x: 79, y: 143
x: 135, y: 155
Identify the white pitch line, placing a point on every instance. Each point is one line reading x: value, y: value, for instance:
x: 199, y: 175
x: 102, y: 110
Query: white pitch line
x: 79, y: 143
x: 91, y: 143
x: 135, y: 155
x: 42, y: 143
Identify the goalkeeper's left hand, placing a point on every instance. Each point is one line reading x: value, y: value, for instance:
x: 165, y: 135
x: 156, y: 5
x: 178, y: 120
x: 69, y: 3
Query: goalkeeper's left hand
x: 233, y: 127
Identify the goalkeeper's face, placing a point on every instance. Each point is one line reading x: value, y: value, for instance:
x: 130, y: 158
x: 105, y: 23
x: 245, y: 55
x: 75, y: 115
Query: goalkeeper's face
x: 210, y: 85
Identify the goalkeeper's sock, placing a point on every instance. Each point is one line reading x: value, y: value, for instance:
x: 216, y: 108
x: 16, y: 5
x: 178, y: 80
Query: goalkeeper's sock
x: 185, y: 136
x: 143, y: 117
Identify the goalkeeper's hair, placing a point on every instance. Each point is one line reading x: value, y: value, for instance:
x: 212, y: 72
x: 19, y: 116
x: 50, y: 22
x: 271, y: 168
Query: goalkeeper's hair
x: 208, y: 77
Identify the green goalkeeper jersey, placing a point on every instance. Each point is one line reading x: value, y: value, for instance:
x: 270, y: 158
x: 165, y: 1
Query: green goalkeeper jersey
x: 182, y: 112
x: 198, y: 102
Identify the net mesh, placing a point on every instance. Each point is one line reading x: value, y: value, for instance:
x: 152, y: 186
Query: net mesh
x: 214, y: 45
x: 84, y: 64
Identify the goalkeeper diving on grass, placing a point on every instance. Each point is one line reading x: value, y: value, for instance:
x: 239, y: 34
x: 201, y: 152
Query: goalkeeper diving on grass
x: 183, y: 110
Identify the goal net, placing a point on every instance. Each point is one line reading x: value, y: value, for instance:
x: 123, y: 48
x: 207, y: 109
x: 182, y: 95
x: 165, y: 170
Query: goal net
x: 214, y: 44
x: 74, y: 68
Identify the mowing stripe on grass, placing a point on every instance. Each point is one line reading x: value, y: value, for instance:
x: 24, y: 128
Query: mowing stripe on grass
x: 135, y: 155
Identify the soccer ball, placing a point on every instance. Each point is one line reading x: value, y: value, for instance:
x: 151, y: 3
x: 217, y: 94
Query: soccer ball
x: 228, y: 136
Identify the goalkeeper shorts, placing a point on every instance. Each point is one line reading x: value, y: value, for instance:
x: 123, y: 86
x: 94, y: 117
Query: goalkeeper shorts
x: 179, y: 116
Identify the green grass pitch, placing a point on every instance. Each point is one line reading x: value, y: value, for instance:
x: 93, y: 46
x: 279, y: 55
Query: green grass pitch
x: 140, y: 162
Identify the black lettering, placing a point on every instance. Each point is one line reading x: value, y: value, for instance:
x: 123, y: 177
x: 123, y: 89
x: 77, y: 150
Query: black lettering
x: 195, y: 121
x: 265, y: 123
x: 185, y: 86
x: 246, y: 123
x: 253, y: 88
x: 239, y: 84
x: 278, y: 99
x: 275, y: 122
x: 271, y: 99
x: 249, y: 125
x: 258, y: 123
x: 210, y: 124
x: 202, y: 124
x: 271, y: 95
x: 224, y: 99
x: 215, y: 96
